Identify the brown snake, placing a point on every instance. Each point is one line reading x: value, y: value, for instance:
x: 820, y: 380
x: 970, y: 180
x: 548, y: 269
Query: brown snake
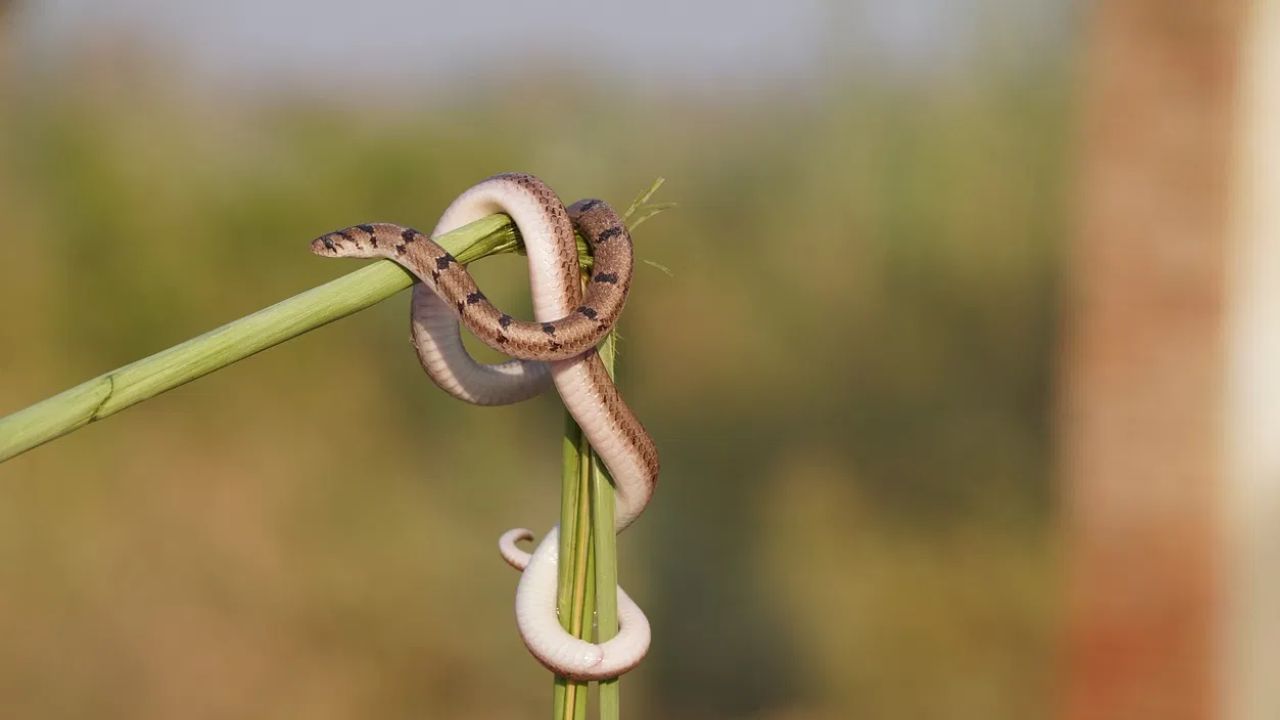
x: 560, y: 344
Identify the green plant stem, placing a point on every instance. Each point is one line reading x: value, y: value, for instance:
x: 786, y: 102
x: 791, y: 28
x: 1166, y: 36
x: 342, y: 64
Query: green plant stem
x: 114, y: 391
x: 588, y: 569
x: 108, y: 394
x: 564, y: 692
x: 588, y: 574
x: 584, y: 570
x: 575, y: 593
x: 606, y: 554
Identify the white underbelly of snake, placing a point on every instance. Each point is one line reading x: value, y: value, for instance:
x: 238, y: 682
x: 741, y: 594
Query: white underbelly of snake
x: 559, y: 346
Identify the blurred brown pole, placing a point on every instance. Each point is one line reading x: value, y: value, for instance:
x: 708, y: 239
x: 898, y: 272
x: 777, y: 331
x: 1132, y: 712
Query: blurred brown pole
x: 1145, y: 366
x: 1251, y: 658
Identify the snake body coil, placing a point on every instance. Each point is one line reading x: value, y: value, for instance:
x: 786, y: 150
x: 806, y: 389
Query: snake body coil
x: 558, y: 345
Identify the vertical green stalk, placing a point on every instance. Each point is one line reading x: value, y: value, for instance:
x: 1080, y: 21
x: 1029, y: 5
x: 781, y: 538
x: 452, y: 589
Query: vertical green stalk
x: 606, y: 555
x: 586, y: 529
x: 576, y: 593
x: 583, y: 588
x: 588, y: 573
x: 565, y: 693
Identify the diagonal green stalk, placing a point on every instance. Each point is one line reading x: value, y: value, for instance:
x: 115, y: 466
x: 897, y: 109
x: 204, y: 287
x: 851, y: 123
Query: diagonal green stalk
x: 114, y: 391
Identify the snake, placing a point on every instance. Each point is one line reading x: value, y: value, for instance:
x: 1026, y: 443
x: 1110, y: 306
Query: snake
x: 557, y: 348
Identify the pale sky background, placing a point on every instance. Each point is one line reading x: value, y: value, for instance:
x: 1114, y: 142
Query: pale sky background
x: 727, y: 45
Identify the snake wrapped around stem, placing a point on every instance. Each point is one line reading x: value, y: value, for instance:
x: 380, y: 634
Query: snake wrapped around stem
x: 556, y: 348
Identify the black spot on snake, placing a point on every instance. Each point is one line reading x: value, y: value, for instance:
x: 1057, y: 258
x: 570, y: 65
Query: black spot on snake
x: 505, y: 320
x: 606, y: 278
x: 328, y: 241
x: 609, y: 233
x: 346, y: 236
x: 460, y: 305
x: 409, y: 235
x: 475, y: 297
x: 589, y: 312
x: 443, y: 261
x: 400, y: 249
x: 548, y: 328
x: 501, y: 339
x: 589, y: 205
x: 367, y: 228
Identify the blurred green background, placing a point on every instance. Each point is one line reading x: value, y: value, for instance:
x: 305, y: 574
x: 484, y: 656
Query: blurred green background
x: 848, y: 377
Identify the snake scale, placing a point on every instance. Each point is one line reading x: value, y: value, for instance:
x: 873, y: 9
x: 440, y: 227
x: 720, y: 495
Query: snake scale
x: 558, y: 348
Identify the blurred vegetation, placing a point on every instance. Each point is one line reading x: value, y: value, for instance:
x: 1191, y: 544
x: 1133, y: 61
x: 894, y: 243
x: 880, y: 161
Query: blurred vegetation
x: 848, y: 378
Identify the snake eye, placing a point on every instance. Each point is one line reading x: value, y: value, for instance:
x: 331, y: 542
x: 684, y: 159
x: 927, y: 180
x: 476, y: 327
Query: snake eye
x: 343, y: 243
x: 332, y: 244
x: 323, y: 245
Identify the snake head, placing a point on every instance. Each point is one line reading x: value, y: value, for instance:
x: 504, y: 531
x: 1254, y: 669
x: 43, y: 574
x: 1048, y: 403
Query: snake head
x: 360, y: 241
